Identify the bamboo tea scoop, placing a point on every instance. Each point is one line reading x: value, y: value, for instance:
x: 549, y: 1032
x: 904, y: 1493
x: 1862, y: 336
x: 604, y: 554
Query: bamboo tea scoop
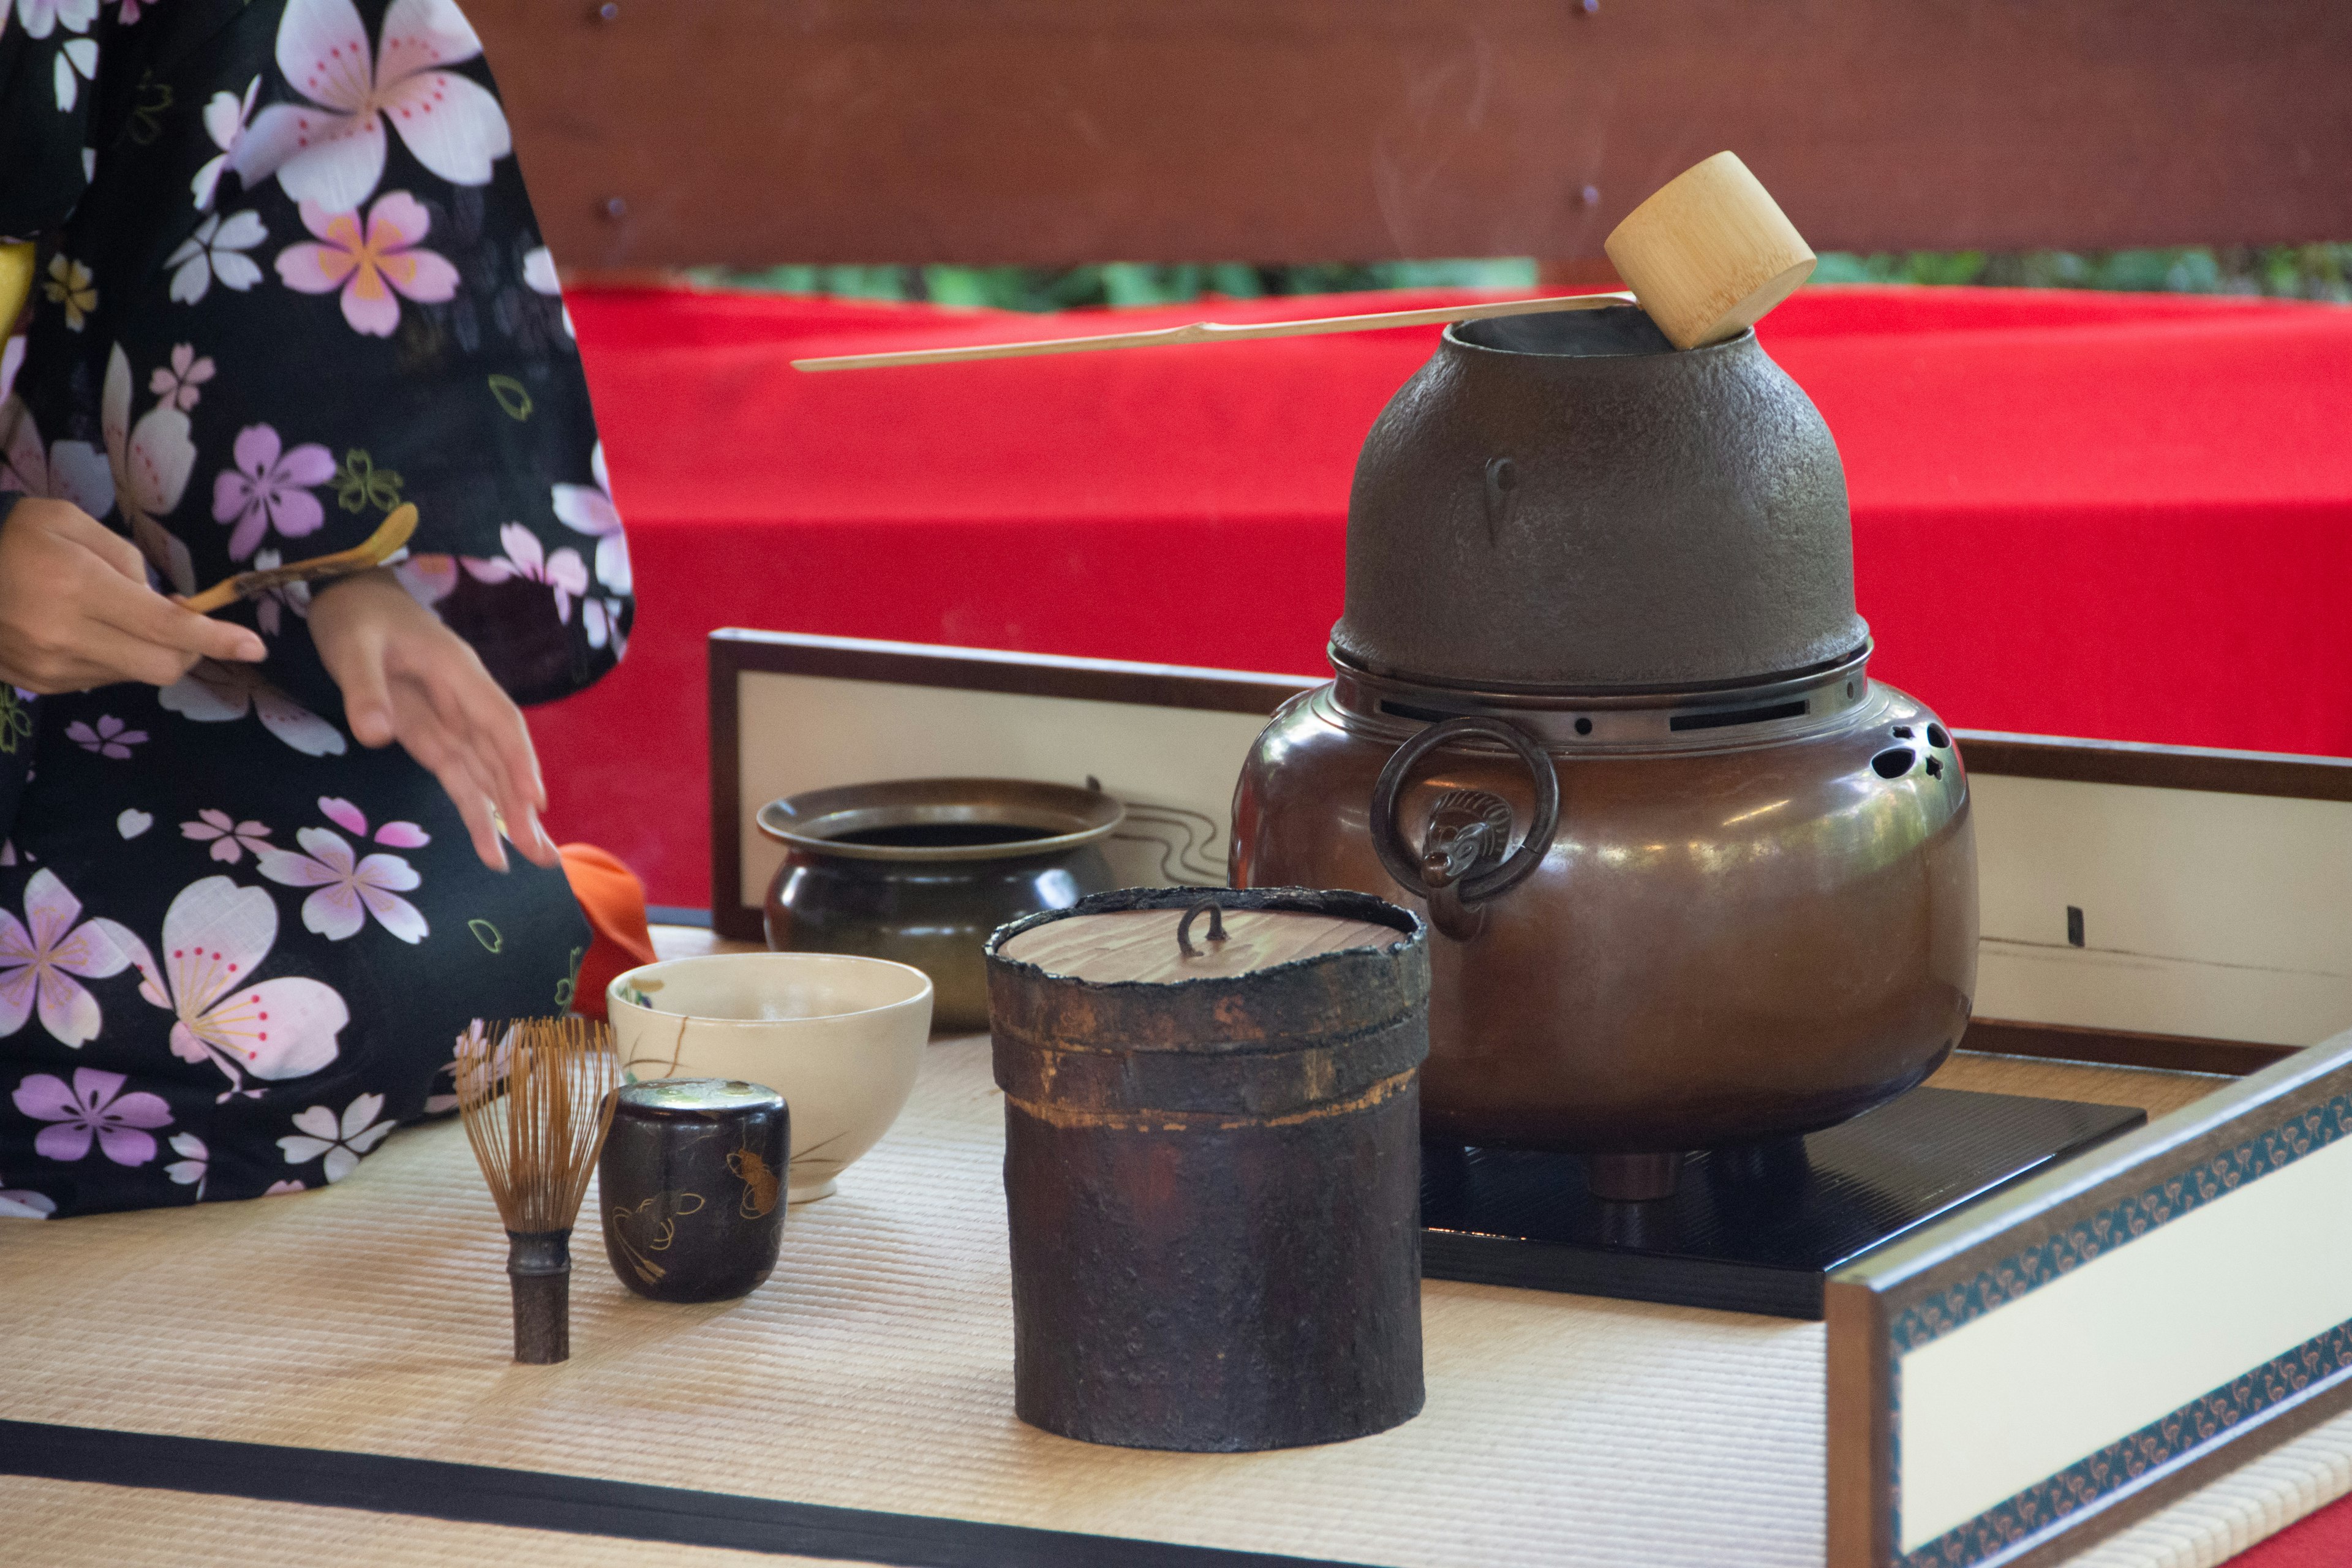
x: 1218, y: 332
x: 389, y: 538
x: 1707, y: 256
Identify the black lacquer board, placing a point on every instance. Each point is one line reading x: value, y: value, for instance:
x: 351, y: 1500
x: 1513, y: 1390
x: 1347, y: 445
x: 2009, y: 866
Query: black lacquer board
x: 1754, y: 1230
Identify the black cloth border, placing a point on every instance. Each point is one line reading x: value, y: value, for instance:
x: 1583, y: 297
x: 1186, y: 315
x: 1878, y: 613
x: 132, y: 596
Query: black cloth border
x: 577, y: 1505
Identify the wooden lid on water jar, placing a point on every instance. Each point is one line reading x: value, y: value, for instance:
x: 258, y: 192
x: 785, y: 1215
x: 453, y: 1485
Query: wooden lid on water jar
x: 1198, y: 999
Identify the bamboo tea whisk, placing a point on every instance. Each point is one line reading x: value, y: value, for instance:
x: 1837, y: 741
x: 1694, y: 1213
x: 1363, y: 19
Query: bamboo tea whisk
x: 535, y: 1106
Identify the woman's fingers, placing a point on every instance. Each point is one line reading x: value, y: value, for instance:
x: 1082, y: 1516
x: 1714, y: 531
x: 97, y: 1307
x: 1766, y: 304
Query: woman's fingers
x: 425, y: 739
x: 134, y: 610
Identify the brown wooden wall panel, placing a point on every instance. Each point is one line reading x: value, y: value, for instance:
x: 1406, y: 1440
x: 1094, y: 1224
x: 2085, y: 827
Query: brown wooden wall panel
x: 753, y: 131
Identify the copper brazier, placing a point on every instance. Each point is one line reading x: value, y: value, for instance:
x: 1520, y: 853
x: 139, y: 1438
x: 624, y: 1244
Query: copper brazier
x: 1602, y: 707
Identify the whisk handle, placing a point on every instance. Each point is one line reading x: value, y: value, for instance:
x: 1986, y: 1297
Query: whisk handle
x: 538, y: 1265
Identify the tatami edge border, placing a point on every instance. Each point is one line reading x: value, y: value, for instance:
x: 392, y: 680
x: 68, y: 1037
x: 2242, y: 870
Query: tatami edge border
x: 579, y: 1505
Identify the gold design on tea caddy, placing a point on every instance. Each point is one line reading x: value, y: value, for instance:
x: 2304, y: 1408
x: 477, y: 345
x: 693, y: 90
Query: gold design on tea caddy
x: 662, y: 1212
x: 759, y: 1184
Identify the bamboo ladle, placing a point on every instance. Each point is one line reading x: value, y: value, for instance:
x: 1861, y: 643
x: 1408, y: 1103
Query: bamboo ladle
x: 1707, y: 255
x: 377, y: 548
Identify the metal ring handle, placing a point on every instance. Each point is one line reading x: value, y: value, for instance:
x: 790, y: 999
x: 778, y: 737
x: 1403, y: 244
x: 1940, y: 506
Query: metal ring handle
x: 1389, y: 839
x: 1216, y: 926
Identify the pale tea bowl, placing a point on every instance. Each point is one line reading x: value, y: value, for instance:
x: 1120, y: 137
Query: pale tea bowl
x: 840, y: 1037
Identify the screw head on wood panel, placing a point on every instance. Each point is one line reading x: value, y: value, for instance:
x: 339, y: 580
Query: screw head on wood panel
x: 608, y: 12
x: 615, y: 209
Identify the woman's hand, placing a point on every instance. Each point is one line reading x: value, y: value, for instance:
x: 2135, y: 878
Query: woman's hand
x: 76, y: 611
x: 407, y: 677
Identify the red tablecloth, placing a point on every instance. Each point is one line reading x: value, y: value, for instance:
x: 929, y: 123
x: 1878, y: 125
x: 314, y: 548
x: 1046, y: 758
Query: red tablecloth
x: 2117, y: 516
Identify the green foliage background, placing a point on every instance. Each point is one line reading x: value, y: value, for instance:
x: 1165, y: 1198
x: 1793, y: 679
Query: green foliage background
x: 2302, y: 272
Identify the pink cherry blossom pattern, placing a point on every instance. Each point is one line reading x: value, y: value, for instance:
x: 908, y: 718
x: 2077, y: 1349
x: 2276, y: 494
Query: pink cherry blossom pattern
x: 219, y: 693
x: 112, y: 738
x: 473, y: 1047
x: 330, y: 151
x: 376, y: 267
x: 269, y: 487
x: 39, y: 959
x: 230, y: 839
x: 352, y: 820
x: 175, y: 384
x: 278, y: 1189
x: 429, y: 578
x: 527, y: 559
x: 348, y: 888
x: 95, y: 1107
x: 66, y: 470
x: 216, y: 936
x: 590, y: 511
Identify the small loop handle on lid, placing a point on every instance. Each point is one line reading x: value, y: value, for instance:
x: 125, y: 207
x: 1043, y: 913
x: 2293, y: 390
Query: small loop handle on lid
x: 1216, y: 926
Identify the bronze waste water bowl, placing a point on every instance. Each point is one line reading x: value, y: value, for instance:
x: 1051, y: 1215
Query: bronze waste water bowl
x: 1602, y: 707
x: 920, y: 871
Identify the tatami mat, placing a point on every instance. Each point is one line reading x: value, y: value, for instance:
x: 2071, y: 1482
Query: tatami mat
x: 874, y: 1372
x: 81, y: 1524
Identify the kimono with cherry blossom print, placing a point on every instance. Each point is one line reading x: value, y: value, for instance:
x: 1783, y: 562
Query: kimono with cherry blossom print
x: 288, y: 279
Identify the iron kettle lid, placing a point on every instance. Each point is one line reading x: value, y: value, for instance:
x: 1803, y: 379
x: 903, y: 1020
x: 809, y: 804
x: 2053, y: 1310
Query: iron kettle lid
x: 1565, y: 500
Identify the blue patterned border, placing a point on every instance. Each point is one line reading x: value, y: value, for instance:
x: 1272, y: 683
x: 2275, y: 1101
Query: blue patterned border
x: 2028, y: 1271
x: 2162, y: 1441
x: 2318, y: 1359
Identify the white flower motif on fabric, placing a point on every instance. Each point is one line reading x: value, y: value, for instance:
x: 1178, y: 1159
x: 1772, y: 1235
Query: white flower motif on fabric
x: 213, y: 693
x: 12, y: 351
x: 69, y: 470
x: 152, y: 461
x: 332, y: 149
x: 189, y: 1169
x: 225, y: 116
x: 39, y: 959
x: 39, y: 18
x: 94, y: 1108
x: 230, y: 839
x: 602, y: 617
x: 20, y: 1203
x: 275, y: 1189
x: 538, y: 276
x: 215, y: 935
x: 269, y: 610
x: 526, y: 558
x: 592, y: 512
x: 112, y: 738
x: 131, y: 822
x: 270, y: 488
x: 342, y: 1142
x: 77, y: 63
x: 351, y: 888
x: 217, y: 251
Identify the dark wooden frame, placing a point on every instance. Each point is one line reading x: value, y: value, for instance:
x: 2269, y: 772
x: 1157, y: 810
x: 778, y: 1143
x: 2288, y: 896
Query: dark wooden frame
x: 1053, y: 132
x: 1864, y: 1301
x: 734, y: 651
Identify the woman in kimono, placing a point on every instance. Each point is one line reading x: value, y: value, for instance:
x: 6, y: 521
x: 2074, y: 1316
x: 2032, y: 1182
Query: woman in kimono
x: 252, y: 878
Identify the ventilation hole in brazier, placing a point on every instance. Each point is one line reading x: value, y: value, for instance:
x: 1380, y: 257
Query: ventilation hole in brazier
x: 1902, y: 732
x: 1936, y: 738
x: 1584, y: 726
x: 1934, y: 769
x: 1893, y: 762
